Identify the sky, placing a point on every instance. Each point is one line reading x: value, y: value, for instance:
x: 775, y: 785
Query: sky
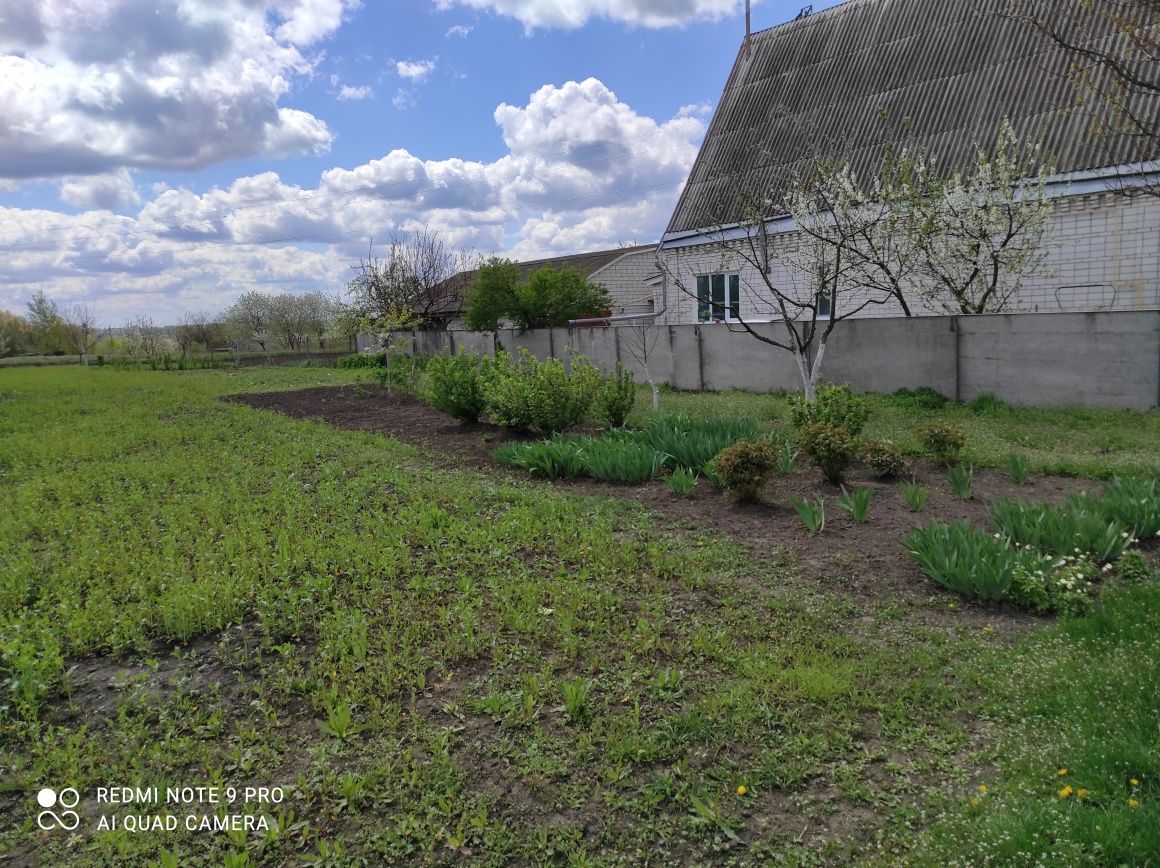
x: 164, y: 156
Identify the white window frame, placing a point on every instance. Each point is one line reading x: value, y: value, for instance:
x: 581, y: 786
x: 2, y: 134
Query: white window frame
x: 731, y: 297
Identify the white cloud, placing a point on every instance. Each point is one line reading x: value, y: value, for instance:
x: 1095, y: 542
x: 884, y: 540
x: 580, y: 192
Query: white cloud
x: 415, y: 70
x: 460, y: 30
x: 403, y: 99
x: 583, y: 171
x: 347, y: 92
x: 104, y: 192
x: 576, y: 13
x: 90, y: 88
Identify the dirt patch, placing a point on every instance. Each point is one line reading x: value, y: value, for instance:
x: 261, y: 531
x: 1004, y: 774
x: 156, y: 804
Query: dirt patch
x: 865, y: 561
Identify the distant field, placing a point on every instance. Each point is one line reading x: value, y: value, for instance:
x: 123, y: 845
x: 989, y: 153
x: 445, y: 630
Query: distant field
x: 441, y: 664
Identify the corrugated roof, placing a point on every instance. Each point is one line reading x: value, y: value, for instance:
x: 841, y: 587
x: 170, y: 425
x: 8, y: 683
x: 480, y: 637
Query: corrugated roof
x: 856, y: 73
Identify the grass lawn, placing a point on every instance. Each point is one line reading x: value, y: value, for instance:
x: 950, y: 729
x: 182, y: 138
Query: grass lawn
x: 441, y: 665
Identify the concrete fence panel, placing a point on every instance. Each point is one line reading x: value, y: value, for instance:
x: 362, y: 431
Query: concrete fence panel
x: 1109, y: 359
x: 1095, y: 359
x: 882, y: 355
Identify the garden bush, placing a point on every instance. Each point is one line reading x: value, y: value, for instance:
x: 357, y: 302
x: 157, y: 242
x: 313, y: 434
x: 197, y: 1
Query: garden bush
x: 883, y: 457
x: 363, y: 360
x: 615, y: 397
x: 536, y: 395
x: 923, y: 398
x: 455, y: 385
x: 837, y: 406
x: 745, y: 467
x: 831, y: 448
x: 944, y: 440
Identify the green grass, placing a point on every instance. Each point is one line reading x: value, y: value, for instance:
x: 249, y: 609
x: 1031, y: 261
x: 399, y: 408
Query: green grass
x: 1077, y: 699
x: 1070, y: 441
x: 432, y: 662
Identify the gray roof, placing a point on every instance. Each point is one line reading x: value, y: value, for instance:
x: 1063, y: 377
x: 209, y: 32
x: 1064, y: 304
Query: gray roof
x: 855, y: 73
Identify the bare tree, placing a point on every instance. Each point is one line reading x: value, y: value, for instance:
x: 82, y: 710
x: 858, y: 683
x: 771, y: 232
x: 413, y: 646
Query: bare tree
x: 419, y: 272
x: 185, y: 333
x: 639, y: 340
x: 1113, y: 52
x: 350, y: 320
x: 81, y: 330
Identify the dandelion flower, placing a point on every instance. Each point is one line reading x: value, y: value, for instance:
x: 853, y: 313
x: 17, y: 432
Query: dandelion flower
x: 1134, y: 782
x: 975, y: 802
x: 742, y: 790
x: 1081, y: 793
x: 1133, y: 803
x: 1065, y: 792
x: 1061, y: 773
x: 982, y: 788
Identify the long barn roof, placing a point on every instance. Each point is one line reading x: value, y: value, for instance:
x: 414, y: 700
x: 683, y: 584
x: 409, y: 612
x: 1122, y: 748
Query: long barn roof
x: 855, y: 73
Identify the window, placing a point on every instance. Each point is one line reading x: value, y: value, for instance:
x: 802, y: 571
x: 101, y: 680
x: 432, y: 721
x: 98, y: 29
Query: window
x: 718, y: 297
x: 823, y: 306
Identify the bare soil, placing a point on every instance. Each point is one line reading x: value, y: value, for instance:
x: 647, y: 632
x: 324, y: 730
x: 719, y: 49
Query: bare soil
x: 866, y: 561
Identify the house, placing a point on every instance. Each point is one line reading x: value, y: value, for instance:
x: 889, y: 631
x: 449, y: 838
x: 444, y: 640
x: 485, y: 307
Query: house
x: 950, y: 70
x: 629, y: 274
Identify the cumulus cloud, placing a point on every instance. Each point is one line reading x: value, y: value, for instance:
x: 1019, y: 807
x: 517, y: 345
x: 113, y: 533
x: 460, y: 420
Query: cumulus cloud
x: 414, y: 70
x: 90, y: 88
x: 460, y: 30
x: 104, y: 192
x: 582, y: 171
x: 576, y: 13
x: 347, y: 92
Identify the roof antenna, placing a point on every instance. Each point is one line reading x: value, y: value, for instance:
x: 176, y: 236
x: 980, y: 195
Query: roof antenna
x: 747, y: 29
x: 805, y: 12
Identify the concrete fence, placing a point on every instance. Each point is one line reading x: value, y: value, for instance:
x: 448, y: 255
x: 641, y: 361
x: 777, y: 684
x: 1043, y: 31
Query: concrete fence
x: 1109, y: 359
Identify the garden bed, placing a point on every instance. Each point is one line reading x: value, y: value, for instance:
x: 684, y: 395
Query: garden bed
x: 867, y: 560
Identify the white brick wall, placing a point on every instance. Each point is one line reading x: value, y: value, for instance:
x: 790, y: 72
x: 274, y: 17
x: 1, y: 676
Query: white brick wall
x: 1102, y: 253
x: 631, y: 280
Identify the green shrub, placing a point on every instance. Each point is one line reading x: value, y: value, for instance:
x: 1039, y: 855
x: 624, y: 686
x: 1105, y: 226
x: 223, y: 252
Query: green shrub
x: 883, y: 457
x: 682, y: 481
x: 923, y: 398
x: 615, y: 397
x: 1079, y: 526
x: 363, y: 360
x: 965, y: 560
x: 693, y: 443
x: 944, y: 440
x: 455, y: 385
x: 1046, y: 585
x: 745, y: 467
x: 1133, y: 567
x: 837, y: 406
x: 831, y: 448
x: 613, y: 460
x: 539, y: 396
x: 988, y: 404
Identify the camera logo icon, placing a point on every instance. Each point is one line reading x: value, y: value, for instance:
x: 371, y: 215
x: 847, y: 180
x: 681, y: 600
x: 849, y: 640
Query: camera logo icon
x: 66, y: 800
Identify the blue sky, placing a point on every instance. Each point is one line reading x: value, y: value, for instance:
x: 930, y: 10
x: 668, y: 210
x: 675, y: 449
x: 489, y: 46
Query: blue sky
x: 162, y: 157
